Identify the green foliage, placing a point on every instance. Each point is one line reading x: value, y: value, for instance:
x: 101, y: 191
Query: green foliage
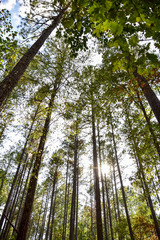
x: 8, y: 42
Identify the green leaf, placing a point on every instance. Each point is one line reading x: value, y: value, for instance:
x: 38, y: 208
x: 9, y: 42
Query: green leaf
x: 108, y: 5
x: 116, y: 28
x: 152, y: 57
x: 68, y: 22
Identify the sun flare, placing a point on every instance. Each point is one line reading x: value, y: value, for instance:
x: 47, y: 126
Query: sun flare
x: 105, y: 169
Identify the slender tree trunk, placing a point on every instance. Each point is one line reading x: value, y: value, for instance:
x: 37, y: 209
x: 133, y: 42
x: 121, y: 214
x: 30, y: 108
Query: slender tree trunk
x: 65, y: 205
x: 4, y: 175
x: 23, y: 227
x: 117, y: 200
x: 149, y: 94
x: 143, y: 180
x: 8, y: 84
x: 44, y: 217
x: 73, y: 204
x: 76, y: 234
x: 51, y: 205
x: 53, y: 214
x: 39, y: 216
x: 102, y: 180
x: 23, y: 194
x: 96, y: 182
x: 122, y: 187
x: 156, y: 144
x: 109, y: 208
x: 16, y: 197
x: 91, y: 202
x: 6, y: 208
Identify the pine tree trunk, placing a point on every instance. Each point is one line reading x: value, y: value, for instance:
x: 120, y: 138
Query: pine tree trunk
x: 156, y: 144
x: 109, y: 208
x: 149, y: 94
x: 102, y: 180
x: 117, y: 200
x: 76, y: 234
x: 23, y: 227
x: 52, y: 203
x: 53, y: 214
x: 65, y: 205
x: 143, y: 180
x: 91, y: 202
x: 15, y: 199
x: 44, y: 217
x: 96, y: 182
x: 9, y: 83
x: 73, y: 204
x: 122, y: 187
x: 39, y: 216
x: 6, y: 208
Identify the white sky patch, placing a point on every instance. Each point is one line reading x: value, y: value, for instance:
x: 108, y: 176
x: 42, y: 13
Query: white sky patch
x: 16, y: 19
x: 96, y: 59
x: 9, y: 5
x: 24, y: 8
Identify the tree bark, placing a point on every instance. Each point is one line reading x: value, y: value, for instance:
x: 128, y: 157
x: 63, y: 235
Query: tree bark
x: 77, y: 198
x: 65, y: 204
x: 9, y: 83
x: 51, y: 205
x: 6, y: 208
x: 102, y: 181
x: 156, y: 144
x: 73, y: 204
x: 23, y: 227
x: 44, y: 217
x: 143, y: 180
x: 121, y: 182
x: 96, y: 178
x: 149, y: 94
x: 109, y: 209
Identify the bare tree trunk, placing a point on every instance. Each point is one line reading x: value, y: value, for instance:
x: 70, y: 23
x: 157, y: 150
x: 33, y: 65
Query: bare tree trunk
x: 122, y: 187
x: 44, y: 217
x: 52, y: 203
x: 53, y: 214
x: 23, y: 227
x: 73, y: 204
x: 96, y: 178
x: 65, y: 205
x: 109, y: 209
x: 76, y: 234
x: 143, y: 180
x: 10, y: 196
x: 102, y: 180
x: 117, y: 200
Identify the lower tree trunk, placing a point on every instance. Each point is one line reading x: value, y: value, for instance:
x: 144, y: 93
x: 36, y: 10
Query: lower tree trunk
x: 109, y: 209
x: 96, y: 180
x: 122, y: 187
x: 44, y: 218
x: 102, y: 181
x: 23, y: 226
x: 76, y: 234
x: 6, y: 208
x: 143, y: 180
x: 65, y: 204
x: 73, y: 204
x: 53, y: 214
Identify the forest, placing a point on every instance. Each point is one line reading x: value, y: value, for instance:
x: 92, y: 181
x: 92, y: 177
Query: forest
x: 80, y: 120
